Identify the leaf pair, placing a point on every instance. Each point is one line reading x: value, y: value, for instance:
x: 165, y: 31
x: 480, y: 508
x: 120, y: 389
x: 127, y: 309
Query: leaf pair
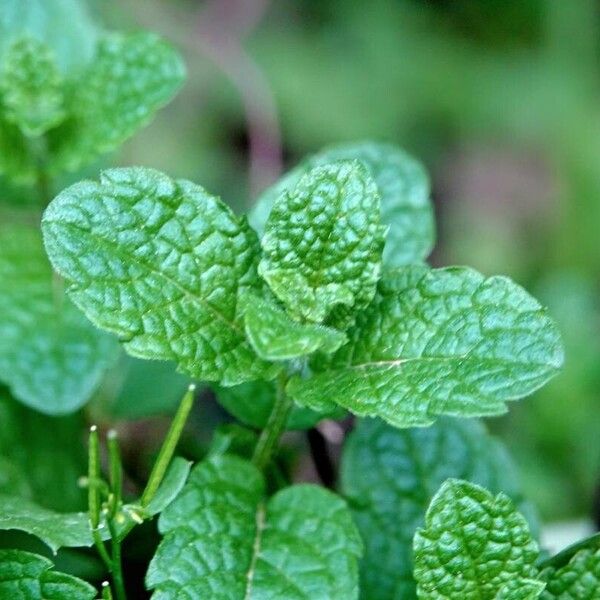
x: 477, y: 545
x: 80, y: 114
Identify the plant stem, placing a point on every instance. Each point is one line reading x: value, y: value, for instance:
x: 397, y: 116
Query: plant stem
x: 564, y: 556
x: 269, y: 437
x: 117, y: 567
x: 168, y: 448
x: 115, y: 473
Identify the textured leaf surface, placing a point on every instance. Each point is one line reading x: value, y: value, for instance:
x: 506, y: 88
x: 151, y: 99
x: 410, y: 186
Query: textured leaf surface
x: 131, y: 77
x: 404, y: 188
x: 224, y: 540
x: 323, y: 242
x: 578, y: 580
x: 161, y: 263
x: 521, y: 589
x: 438, y: 341
x: 26, y: 576
x: 50, y: 355
x: 390, y: 476
x: 252, y: 403
x: 473, y: 544
x: 274, y: 336
x: 31, y: 87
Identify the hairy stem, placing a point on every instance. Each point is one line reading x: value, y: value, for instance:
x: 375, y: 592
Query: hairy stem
x: 269, y: 437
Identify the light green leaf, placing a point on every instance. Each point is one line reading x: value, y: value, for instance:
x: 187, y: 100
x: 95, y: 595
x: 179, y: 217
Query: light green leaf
x: 27, y: 576
x: 162, y: 264
x: 171, y: 485
x: 65, y: 26
x: 274, y: 336
x: 323, y: 242
x: 389, y: 476
x: 223, y: 539
x: 252, y: 403
x: 577, y: 580
x: 31, y: 87
x: 50, y: 356
x: 438, y: 341
x: 521, y: 589
x: 405, y: 196
x: 472, y: 545
x: 131, y: 77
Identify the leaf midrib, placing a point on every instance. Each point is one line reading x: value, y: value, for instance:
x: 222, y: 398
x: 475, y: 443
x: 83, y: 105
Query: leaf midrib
x: 256, y: 547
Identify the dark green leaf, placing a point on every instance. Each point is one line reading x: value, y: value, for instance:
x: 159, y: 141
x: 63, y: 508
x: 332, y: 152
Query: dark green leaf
x: 50, y: 355
x: 161, y: 263
x: 323, y: 242
x: 26, y: 576
x: 223, y: 539
x: 390, y: 475
x: 438, y: 341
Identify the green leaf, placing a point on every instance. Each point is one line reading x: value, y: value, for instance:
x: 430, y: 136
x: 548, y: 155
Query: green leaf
x: 65, y: 26
x: 323, y: 242
x: 72, y: 530
x: 13, y: 479
x: 223, y: 539
x: 131, y: 77
x: 31, y: 87
x: 50, y: 356
x: 405, y: 196
x: 56, y: 530
x: 162, y: 264
x: 521, y: 589
x: 27, y: 576
x: 389, y: 476
x: 252, y: 403
x: 438, y: 341
x: 577, y: 580
x: 472, y: 545
x: 274, y: 336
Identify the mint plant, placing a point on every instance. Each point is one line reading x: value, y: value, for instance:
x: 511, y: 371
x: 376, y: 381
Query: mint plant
x: 317, y: 305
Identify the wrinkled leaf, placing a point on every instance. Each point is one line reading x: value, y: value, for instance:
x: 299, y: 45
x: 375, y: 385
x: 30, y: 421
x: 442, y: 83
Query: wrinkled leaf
x: 390, y: 475
x: 473, y: 544
x: 438, y: 341
x: 323, y: 242
x: 223, y: 539
x: 50, y: 355
x: 274, y: 336
x: 404, y: 188
x: 31, y: 87
x: 521, y: 589
x: 162, y: 264
x: 579, y: 579
x: 27, y: 576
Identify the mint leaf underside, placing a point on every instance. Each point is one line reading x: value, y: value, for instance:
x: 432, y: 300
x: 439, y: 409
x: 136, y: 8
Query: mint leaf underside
x: 472, y: 546
x: 274, y: 336
x: 27, y: 576
x: 252, y: 403
x: 223, y: 539
x: 577, y: 580
x: 162, y: 264
x: 50, y: 355
x: 405, y: 196
x: 323, y: 242
x: 438, y: 341
x: 31, y: 87
x: 390, y: 475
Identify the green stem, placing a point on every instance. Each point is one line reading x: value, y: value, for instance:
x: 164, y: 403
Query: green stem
x: 168, y: 448
x: 117, y: 566
x: 106, y: 591
x: 269, y: 437
x: 94, y: 494
x: 115, y: 473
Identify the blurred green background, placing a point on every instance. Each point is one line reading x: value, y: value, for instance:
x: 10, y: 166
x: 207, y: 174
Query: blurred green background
x: 501, y: 101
